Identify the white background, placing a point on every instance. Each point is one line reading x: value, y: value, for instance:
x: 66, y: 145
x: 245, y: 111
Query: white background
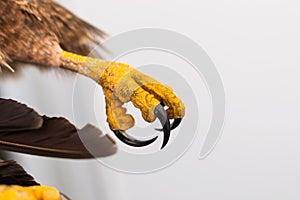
x: 255, y: 47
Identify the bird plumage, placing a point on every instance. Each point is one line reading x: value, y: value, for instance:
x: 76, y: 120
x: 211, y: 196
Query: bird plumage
x: 23, y: 130
x: 36, y: 30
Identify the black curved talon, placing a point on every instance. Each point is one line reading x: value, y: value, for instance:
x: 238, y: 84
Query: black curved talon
x: 161, y: 114
x: 174, y: 125
x: 131, y: 141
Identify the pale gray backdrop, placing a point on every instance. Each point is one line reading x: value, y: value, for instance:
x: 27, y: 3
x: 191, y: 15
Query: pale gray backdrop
x: 255, y: 46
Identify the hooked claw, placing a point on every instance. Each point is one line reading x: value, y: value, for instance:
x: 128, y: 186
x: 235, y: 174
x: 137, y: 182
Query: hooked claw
x: 124, y: 137
x: 175, y: 123
x: 161, y: 114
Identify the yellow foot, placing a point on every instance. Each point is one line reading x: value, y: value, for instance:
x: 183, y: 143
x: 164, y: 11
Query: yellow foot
x: 15, y: 192
x: 121, y: 84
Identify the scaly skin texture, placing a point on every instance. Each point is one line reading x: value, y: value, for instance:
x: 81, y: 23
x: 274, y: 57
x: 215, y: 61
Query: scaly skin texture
x: 28, y: 193
x: 121, y: 83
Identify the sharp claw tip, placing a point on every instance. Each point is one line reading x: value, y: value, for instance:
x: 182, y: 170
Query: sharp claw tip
x: 163, y: 146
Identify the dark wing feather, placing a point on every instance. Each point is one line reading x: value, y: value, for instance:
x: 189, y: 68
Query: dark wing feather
x: 11, y: 173
x: 15, y: 116
x: 57, y: 137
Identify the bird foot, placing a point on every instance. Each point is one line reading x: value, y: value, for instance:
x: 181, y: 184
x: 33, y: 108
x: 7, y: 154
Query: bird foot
x: 121, y: 84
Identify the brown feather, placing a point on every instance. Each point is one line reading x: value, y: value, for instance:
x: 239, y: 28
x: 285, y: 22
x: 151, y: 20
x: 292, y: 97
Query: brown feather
x: 36, y: 30
x: 15, y: 116
x: 57, y: 137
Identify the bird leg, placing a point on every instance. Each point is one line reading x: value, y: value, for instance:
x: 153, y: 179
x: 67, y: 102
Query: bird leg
x: 122, y: 83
